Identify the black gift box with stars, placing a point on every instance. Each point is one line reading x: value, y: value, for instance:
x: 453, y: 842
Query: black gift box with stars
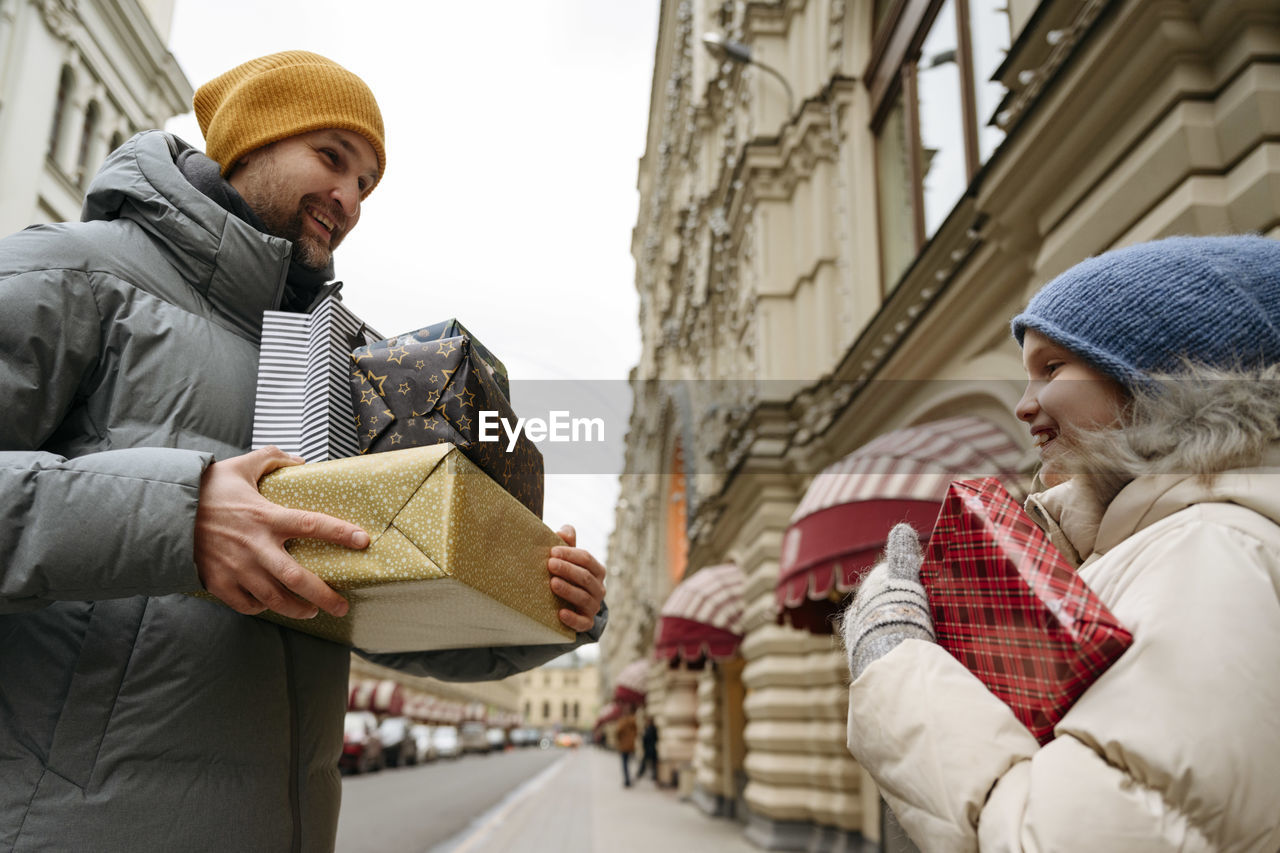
x: 426, y: 388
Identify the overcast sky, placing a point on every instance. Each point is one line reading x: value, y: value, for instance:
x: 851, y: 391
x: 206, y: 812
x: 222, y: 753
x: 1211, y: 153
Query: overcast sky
x: 514, y: 130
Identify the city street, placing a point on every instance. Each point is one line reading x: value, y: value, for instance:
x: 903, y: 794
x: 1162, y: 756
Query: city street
x: 566, y: 801
x: 420, y: 808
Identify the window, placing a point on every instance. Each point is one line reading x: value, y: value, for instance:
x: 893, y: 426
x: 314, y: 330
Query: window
x: 896, y: 201
x: 932, y: 106
x: 546, y: 710
x: 677, y: 522
x: 575, y: 712
x: 564, y: 710
x: 65, y: 84
x: 87, y: 133
x: 989, y: 34
x: 943, y: 170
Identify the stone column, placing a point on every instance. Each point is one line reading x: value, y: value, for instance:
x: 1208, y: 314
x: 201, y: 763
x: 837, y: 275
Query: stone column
x: 709, y: 786
x: 678, y: 728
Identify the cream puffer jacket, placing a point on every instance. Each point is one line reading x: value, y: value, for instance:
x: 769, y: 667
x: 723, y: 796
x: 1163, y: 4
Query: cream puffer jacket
x: 1175, y: 748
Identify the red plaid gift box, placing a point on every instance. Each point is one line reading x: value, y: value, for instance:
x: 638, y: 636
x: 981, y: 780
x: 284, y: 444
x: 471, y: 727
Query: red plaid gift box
x: 1009, y: 607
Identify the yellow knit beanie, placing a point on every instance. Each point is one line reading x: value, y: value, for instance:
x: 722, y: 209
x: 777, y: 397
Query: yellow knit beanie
x: 282, y: 95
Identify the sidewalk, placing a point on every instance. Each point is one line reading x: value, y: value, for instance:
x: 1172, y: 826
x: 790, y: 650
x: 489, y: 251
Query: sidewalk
x: 578, y: 805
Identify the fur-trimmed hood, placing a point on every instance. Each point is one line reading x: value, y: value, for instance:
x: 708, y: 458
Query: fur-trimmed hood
x: 1201, y: 422
x: 1203, y: 436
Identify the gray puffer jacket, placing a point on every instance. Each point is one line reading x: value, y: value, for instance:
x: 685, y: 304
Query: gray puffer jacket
x: 133, y: 717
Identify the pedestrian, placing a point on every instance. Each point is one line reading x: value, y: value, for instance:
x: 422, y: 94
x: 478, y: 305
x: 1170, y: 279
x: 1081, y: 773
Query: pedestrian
x: 1153, y: 399
x: 627, y: 744
x: 132, y: 716
x: 649, y: 750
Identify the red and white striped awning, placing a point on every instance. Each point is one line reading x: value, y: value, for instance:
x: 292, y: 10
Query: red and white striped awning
x: 360, y: 696
x: 388, y: 697
x: 839, y: 528
x: 632, y: 683
x: 609, y: 713
x: 702, y: 618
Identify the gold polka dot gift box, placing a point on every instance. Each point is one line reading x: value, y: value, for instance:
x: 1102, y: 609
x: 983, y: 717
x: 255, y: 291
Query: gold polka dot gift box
x: 455, y: 561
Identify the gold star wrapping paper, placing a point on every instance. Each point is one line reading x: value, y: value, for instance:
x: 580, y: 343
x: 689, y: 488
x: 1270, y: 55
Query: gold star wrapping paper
x: 455, y: 561
x: 428, y: 387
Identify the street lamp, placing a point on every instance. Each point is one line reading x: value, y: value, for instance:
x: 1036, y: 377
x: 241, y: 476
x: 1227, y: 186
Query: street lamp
x: 735, y: 51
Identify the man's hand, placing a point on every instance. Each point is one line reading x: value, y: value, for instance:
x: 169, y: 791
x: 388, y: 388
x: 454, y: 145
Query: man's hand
x: 578, y: 578
x: 240, y: 536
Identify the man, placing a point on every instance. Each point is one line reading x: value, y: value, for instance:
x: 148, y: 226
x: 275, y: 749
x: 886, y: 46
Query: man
x: 627, y: 744
x: 649, y: 750
x: 133, y: 717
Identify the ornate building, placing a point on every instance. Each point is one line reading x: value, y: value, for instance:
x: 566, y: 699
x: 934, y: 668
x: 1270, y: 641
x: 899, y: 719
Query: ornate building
x: 77, y: 78
x: 840, y: 208
x: 562, y: 694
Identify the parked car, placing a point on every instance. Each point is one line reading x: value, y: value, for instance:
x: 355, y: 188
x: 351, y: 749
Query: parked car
x: 474, y: 737
x: 497, y: 739
x: 361, y: 745
x: 446, y: 742
x: 423, y: 748
x: 394, y: 732
x: 524, y: 737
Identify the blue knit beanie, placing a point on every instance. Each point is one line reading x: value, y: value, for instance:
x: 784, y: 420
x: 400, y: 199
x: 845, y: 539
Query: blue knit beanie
x: 1144, y: 309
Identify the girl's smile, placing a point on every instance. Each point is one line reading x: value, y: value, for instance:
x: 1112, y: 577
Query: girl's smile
x: 1064, y: 394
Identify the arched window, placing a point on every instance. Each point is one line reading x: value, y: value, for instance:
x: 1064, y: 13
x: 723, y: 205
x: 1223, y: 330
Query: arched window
x: 65, y: 84
x: 83, y: 166
x: 677, y: 511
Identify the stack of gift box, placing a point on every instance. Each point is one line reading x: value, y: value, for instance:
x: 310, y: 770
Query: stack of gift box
x: 458, y: 553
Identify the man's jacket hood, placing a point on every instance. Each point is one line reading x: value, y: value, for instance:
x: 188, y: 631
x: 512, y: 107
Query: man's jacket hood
x: 205, y: 244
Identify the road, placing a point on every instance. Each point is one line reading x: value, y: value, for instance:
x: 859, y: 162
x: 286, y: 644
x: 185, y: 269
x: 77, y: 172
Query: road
x: 416, y: 809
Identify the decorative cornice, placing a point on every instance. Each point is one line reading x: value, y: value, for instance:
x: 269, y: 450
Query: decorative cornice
x: 771, y: 17
x: 62, y: 17
x: 1026, y: 82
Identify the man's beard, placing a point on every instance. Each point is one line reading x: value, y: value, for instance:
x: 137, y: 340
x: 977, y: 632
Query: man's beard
x: 291, y: 225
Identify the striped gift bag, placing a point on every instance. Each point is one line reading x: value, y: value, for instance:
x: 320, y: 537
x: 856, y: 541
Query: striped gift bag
x: 303, y: 400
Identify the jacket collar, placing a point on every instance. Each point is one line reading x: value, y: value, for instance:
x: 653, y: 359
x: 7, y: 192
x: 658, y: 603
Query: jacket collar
x: 1070, y: 516
x: 1150, y: 499
x: 240, y: 270
x: 1079, y: 527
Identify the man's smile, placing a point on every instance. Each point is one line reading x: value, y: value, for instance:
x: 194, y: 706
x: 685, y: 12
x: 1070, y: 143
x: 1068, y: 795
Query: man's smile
x: 325, y: 222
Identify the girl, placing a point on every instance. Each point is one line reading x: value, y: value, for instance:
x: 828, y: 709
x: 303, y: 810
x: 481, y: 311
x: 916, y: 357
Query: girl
x: 1153, y: 397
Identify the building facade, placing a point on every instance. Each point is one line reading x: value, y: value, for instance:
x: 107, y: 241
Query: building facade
x: 840, y: 209
x: 563, y: 694
x: 77, y: 78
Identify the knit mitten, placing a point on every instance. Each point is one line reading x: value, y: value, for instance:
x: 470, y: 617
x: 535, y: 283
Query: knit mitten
x: 890, y: 605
